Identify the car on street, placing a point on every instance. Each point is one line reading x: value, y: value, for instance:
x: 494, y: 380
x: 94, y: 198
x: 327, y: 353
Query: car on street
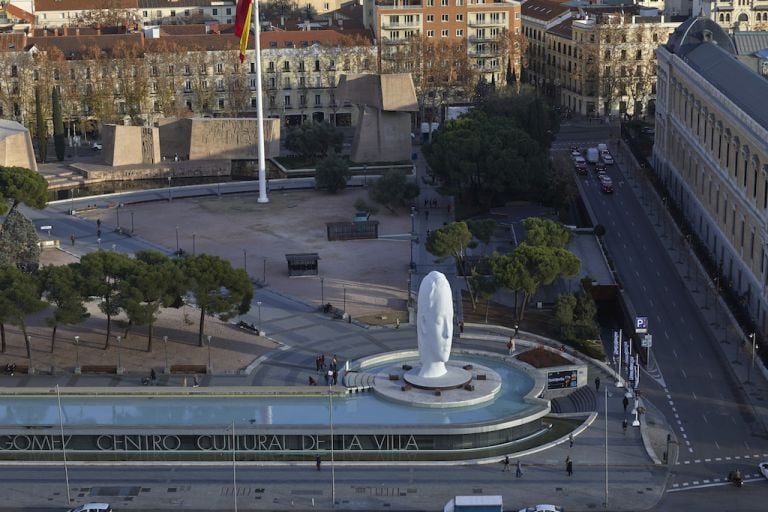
x: 601, y: 175
x: 763, y: 468
x: 607, y: 158
x: 575, y: 153
x: 599, y: 166
x: 580, y: 169
x: 542, y: 508
x: 579, y: 160
x: 606, y: 185
x: 92, y: 507
x: 97, y: 146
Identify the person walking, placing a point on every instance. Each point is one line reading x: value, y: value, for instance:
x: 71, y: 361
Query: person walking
x: 397, y: 323
x: 597, y: 383
x: 72, y: 238
x: 519, y: 470
x: 569, y: 466
x: 624, y: 426
x: 625, y: 401
x: 152, y: 376
x: 317, y: 462
x: 506, y: 463
x: 570, y: 439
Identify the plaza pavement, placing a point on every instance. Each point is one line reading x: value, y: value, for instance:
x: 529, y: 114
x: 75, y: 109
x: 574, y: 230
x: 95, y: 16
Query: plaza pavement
x: 296, y: 331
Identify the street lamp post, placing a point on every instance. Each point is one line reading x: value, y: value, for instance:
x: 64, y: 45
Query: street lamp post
x: 193, y: 243
x: 210, y: 363
x: 132, y: 221
x: 165, y: 347
x: 119, y: 338
x: 245, y: 261
x: 322, y: 292
x: 72, y: 201
x: 264, y: 271
x: 170, y: 198
x: 345, y: 300
x: 330, y: 416
x: 63, y: 444
x: 118, y: 216
x: 77, y: 354
x: 753, y: 337
x: 365, y: 175
x: 178, y: 251
x: 258, y: 305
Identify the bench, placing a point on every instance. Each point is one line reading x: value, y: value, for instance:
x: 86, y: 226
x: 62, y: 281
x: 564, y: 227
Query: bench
x: 188, y: 369
x: 18, y: 369
x: 481, y: 376
x: 405, y: 387
x: 93, y: 368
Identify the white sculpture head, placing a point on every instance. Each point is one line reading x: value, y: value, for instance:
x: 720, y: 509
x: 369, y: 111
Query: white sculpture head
x: 434, y: 324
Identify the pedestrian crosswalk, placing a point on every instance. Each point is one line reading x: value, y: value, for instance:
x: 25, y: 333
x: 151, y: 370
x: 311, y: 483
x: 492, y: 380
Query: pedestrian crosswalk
x: 753, y: 456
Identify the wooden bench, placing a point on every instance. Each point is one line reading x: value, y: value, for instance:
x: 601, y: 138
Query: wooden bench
x: 188, y: 369
x: 94, y: 368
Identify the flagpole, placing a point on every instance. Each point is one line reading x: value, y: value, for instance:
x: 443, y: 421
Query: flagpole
x: 259, y: 108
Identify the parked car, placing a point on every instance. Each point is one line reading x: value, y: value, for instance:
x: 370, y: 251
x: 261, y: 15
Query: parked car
x: 763, y: 468
x: 92, y: 507
x: 542, y: 508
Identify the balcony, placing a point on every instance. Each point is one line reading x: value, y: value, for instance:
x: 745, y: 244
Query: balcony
x: 388, y: 41
x: 487, y: 68
x: 482, y: 54
x: 483, y: 39
x: 399, y: 25
x: 487, y: 23
x: 395, y: 4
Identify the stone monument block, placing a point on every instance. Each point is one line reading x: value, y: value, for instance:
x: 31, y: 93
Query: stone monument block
x: 16, y: 146
x: 130, y: 145
x: 218, y: 138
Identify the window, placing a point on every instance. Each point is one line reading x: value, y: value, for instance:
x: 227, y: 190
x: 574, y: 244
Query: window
x: 444, y: 3
x: 302, y: 81
x: 444, y: 17
x: 286, y: 65
x: 286, y: 83
x: 639, y: 55
x: 430, y: 18
x: 219, y: 68
x: 187, y: 70
x: 317, y: 65
x: 459, y: 32
x: 229, y: 11
x: 430, y: 33
x: 272, y: 83
x: 272, y: 100
x: 303, y: 100
x: 145, y: 14
x: 459, y: 17
x: 215, y: 12
x: 317, y: 100
x: 301, y: 66
x: 14, y: 71
x: 221, y: 103
x: 444, y: 33
x: 173, y: 13
x: 170, y: 69
x: 271, y: 67
x: 252, y: 83
x: 287, y: 101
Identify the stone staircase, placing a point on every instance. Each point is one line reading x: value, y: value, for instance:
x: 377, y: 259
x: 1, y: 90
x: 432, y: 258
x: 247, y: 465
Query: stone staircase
x: 359, y: 381
x: 581, y: 400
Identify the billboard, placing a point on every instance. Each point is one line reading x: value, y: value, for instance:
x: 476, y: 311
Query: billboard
x: 562, y: 379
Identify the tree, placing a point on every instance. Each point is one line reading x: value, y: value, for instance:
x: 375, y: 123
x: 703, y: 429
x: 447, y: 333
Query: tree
x: 58, y: 125
x: 452, y: 240
x: 485, y: 287
x: 60, y: 288
x: 19, y: 243
x: 20, y: 185
x: 575, y: 317
x: 101, y: 274
x: 482, y: 229
x: 155, y: 282
x: 529, y: 267
x: 20, y: 298
x: 41, y: 127
x: 313, y: 139
x: 393, y: 189
x: 545, y: 232
x: 218, y: 288
x: 332, y: 174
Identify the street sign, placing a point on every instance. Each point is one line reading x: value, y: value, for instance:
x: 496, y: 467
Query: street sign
x: 641, y: 324
x: 647, y: 341
x: 46, y: 228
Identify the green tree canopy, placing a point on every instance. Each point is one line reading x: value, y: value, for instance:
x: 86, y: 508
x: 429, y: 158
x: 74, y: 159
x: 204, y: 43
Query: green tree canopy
x: 218, y: 288
x: 451, y: 241
x: 101, y: 274
x: 309, y: 140
x: 155, y: 282
x: 19, y: 243
x: 20, y: 185
x: 61, y: 288
x: 528, y: 267
x: 20, y: 298
x: 393, y: 189
x: 545, y: 232
x: 332, y: 174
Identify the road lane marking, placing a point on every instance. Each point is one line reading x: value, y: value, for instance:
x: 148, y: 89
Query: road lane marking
x: 684, y: 374
x: 694, y: 395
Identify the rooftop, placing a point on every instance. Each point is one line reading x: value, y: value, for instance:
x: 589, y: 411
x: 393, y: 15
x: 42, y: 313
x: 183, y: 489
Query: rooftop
x: 544, y: 10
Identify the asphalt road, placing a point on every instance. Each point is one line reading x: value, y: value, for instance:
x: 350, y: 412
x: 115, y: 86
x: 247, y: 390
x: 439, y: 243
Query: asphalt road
x: 689, y: 378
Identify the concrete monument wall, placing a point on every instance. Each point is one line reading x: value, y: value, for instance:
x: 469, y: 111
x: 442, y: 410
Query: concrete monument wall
x: 130, y: 145
x: 218, y: 138
x: 16, y: 146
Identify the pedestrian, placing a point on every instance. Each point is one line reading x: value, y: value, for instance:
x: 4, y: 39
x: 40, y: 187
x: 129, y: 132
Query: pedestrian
x: 98, y: 233
x: 570, y: 439
x: 317, y: 462
x: 317, y: 363
x: 334, y: 362
x: 195, y: 382
x: 569, y: 466
x: 152, y: 376
x: 326, y: 378
x: 322, y: 361
x: 425, y: 203
x: 511, y: 345
x: 397, y: 323
x: 98, y: 222
x: 461, y: 327
x: 335, y: 377
x: 624, y: 426
x: 312, y: 381
x: 506, y: 463
x: 449, y: 207
x: 597, y: 383
x: 625, y: 401
x: 72, y: 238
x: 519, y: 470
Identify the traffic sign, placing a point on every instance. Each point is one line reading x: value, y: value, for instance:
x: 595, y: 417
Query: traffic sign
x: 647, y: 341
x: 641, y: 324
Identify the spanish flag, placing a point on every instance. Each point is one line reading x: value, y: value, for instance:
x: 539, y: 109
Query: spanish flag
x: 243, y: 24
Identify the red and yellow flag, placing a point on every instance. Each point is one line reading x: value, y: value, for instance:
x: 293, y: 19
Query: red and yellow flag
x: 243, y: 24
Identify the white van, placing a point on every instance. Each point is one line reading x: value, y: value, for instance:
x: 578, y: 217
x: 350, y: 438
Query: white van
x: 92, y: 507
x: 593, y: 156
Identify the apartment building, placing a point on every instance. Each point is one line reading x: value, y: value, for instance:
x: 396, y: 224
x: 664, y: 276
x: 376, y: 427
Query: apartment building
x: 486, y: 30
x: 734, y: 15
x: 597, y: 60
x: 58, y: 13
x: 711, y: 151
x: 113, y: 75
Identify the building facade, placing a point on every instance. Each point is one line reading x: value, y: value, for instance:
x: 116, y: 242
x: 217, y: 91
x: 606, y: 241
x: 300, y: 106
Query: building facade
x: 711, y: 151
x: 734, y: 15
